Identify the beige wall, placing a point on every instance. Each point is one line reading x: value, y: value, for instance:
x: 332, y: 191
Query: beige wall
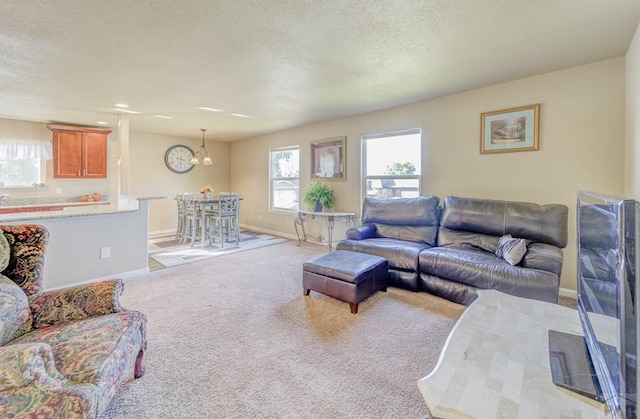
x: 632, y: 164
x: 151, y: 177
x: 581, y: 147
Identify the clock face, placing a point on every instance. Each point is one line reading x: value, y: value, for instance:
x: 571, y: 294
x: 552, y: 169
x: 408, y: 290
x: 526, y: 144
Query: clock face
x: 178, y: 157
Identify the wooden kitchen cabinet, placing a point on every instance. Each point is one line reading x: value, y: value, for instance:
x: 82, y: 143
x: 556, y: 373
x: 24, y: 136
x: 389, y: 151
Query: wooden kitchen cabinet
x: 79, y: 152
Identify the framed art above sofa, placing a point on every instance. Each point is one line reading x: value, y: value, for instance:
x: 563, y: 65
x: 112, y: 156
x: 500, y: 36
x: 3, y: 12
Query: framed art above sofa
x: 508, y: 130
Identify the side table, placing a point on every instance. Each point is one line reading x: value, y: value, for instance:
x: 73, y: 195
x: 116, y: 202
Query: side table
x: 331, y: 217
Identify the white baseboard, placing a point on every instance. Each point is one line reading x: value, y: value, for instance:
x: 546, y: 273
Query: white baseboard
x: 565, y: 292
x: 273, y: 233
x: 160, y: 233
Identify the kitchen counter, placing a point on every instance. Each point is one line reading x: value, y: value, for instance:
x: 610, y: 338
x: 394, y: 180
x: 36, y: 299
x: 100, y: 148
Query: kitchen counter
x: 56, y: 204
x: 72, y: 209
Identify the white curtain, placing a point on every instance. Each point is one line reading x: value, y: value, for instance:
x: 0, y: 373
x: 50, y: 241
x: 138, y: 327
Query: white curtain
x: 26, y: 149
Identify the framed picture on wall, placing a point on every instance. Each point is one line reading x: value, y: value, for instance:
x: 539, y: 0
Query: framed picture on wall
x: 328, y: 159
x: 508, y: 130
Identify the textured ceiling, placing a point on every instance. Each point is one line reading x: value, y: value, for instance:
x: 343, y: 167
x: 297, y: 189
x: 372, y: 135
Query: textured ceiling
x: 283, y: 63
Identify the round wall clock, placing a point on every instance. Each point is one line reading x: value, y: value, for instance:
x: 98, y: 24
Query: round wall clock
x: 178, y: 158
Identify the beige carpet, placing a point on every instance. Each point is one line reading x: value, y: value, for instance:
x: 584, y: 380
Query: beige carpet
x: 234, y: 337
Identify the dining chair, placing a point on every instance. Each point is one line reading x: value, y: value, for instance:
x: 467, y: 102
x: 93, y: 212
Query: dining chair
x: 224, y: 219
x: 180, y: 226
x: 192, y: 216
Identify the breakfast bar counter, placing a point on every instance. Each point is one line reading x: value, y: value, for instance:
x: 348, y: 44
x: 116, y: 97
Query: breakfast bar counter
x: 92, y: 241
x: 46, y: 211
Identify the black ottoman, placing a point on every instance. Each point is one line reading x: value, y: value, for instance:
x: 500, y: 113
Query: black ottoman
x: 347, y: 276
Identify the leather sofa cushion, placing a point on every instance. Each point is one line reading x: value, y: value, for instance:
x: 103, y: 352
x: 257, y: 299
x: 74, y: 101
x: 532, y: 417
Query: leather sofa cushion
x: 485, y: 270
x: 538, y: 223
x: 447, y: 237
x: 411, y: 219
x: 401, y: 254
x: 544, y: 257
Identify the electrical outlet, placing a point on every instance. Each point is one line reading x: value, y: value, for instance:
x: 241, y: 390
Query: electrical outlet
x: 58, y: 190
x: 105, y: 252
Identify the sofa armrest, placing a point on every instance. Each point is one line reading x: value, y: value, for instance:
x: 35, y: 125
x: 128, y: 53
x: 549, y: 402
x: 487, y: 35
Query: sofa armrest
x: 365, y: 231
x: 26, y: 363
x: 545, y: 257
x: 76, y: 303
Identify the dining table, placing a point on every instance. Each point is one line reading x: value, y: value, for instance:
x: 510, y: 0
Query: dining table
x: 207, y: 203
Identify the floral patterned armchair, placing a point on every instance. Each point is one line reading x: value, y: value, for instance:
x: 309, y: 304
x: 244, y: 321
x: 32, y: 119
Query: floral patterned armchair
x: 63, y: 353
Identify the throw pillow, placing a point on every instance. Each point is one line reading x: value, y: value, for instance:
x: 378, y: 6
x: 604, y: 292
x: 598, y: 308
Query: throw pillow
x: 512, y: 250
x: 15, y: 316
x: 5, y: 252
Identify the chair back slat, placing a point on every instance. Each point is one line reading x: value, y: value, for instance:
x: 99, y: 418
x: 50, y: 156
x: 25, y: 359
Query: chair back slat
x: 228, y: 205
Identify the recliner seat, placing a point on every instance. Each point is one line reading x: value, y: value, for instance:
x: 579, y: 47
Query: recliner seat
x: 397, y: 230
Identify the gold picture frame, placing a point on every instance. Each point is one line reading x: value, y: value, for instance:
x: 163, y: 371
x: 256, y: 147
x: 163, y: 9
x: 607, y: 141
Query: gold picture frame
x: 509, y: 130
x: 329, y: 159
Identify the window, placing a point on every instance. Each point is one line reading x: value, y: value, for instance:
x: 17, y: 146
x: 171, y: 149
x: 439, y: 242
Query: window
x: 23, y: 162
x: 284, y: 178
x: 392, y: 164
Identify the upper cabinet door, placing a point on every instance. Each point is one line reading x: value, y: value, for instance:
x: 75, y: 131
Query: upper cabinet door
x: 78, y: 152
x: 94, y: 154
x: 67, y: 154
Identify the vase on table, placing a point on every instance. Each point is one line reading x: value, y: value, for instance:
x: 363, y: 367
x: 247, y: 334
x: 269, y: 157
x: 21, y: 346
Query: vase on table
x: 318, y: 207
x: 208, y: 195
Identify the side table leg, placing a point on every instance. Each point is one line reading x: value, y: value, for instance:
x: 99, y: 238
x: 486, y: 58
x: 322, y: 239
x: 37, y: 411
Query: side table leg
x: 330, y: 227
x: 299, y: 221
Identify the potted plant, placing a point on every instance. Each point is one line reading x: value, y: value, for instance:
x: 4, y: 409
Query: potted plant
x: 318, y: 196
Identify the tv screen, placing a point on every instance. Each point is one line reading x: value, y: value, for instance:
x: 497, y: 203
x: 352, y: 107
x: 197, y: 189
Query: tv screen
x: 607, y: 295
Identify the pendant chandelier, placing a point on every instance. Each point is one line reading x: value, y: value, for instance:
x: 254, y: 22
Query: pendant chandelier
x: 204, y: 156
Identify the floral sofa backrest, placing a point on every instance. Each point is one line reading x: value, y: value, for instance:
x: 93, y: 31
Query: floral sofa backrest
x: 21, y: 261
x: 27, y: 245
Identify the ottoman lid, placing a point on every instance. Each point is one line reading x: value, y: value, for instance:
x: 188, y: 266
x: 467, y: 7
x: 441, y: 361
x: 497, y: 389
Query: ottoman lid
x: 345, y: 265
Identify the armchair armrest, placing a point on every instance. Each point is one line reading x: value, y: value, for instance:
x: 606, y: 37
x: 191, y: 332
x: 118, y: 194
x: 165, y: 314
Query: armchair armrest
x: 365, y: 231
x: 76, y: 303
x: 26, y: 363
x: 543, y: 256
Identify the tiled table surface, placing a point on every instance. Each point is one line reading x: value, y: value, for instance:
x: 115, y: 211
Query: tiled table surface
x: 495, y: 364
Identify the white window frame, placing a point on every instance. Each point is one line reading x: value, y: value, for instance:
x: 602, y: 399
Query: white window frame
x: 37, y: 150
x: 273, y: 179
x: 365, y: 177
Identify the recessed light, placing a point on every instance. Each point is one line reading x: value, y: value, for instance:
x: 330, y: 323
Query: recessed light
x: 163, y: 116
x: 124, y: 110
x: 204, y: 108
x: 239, y: 115
x: 121, y: 105
x: 102, y: 123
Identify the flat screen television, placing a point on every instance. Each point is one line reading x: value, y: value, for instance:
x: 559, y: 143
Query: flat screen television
x: 607, y: 234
